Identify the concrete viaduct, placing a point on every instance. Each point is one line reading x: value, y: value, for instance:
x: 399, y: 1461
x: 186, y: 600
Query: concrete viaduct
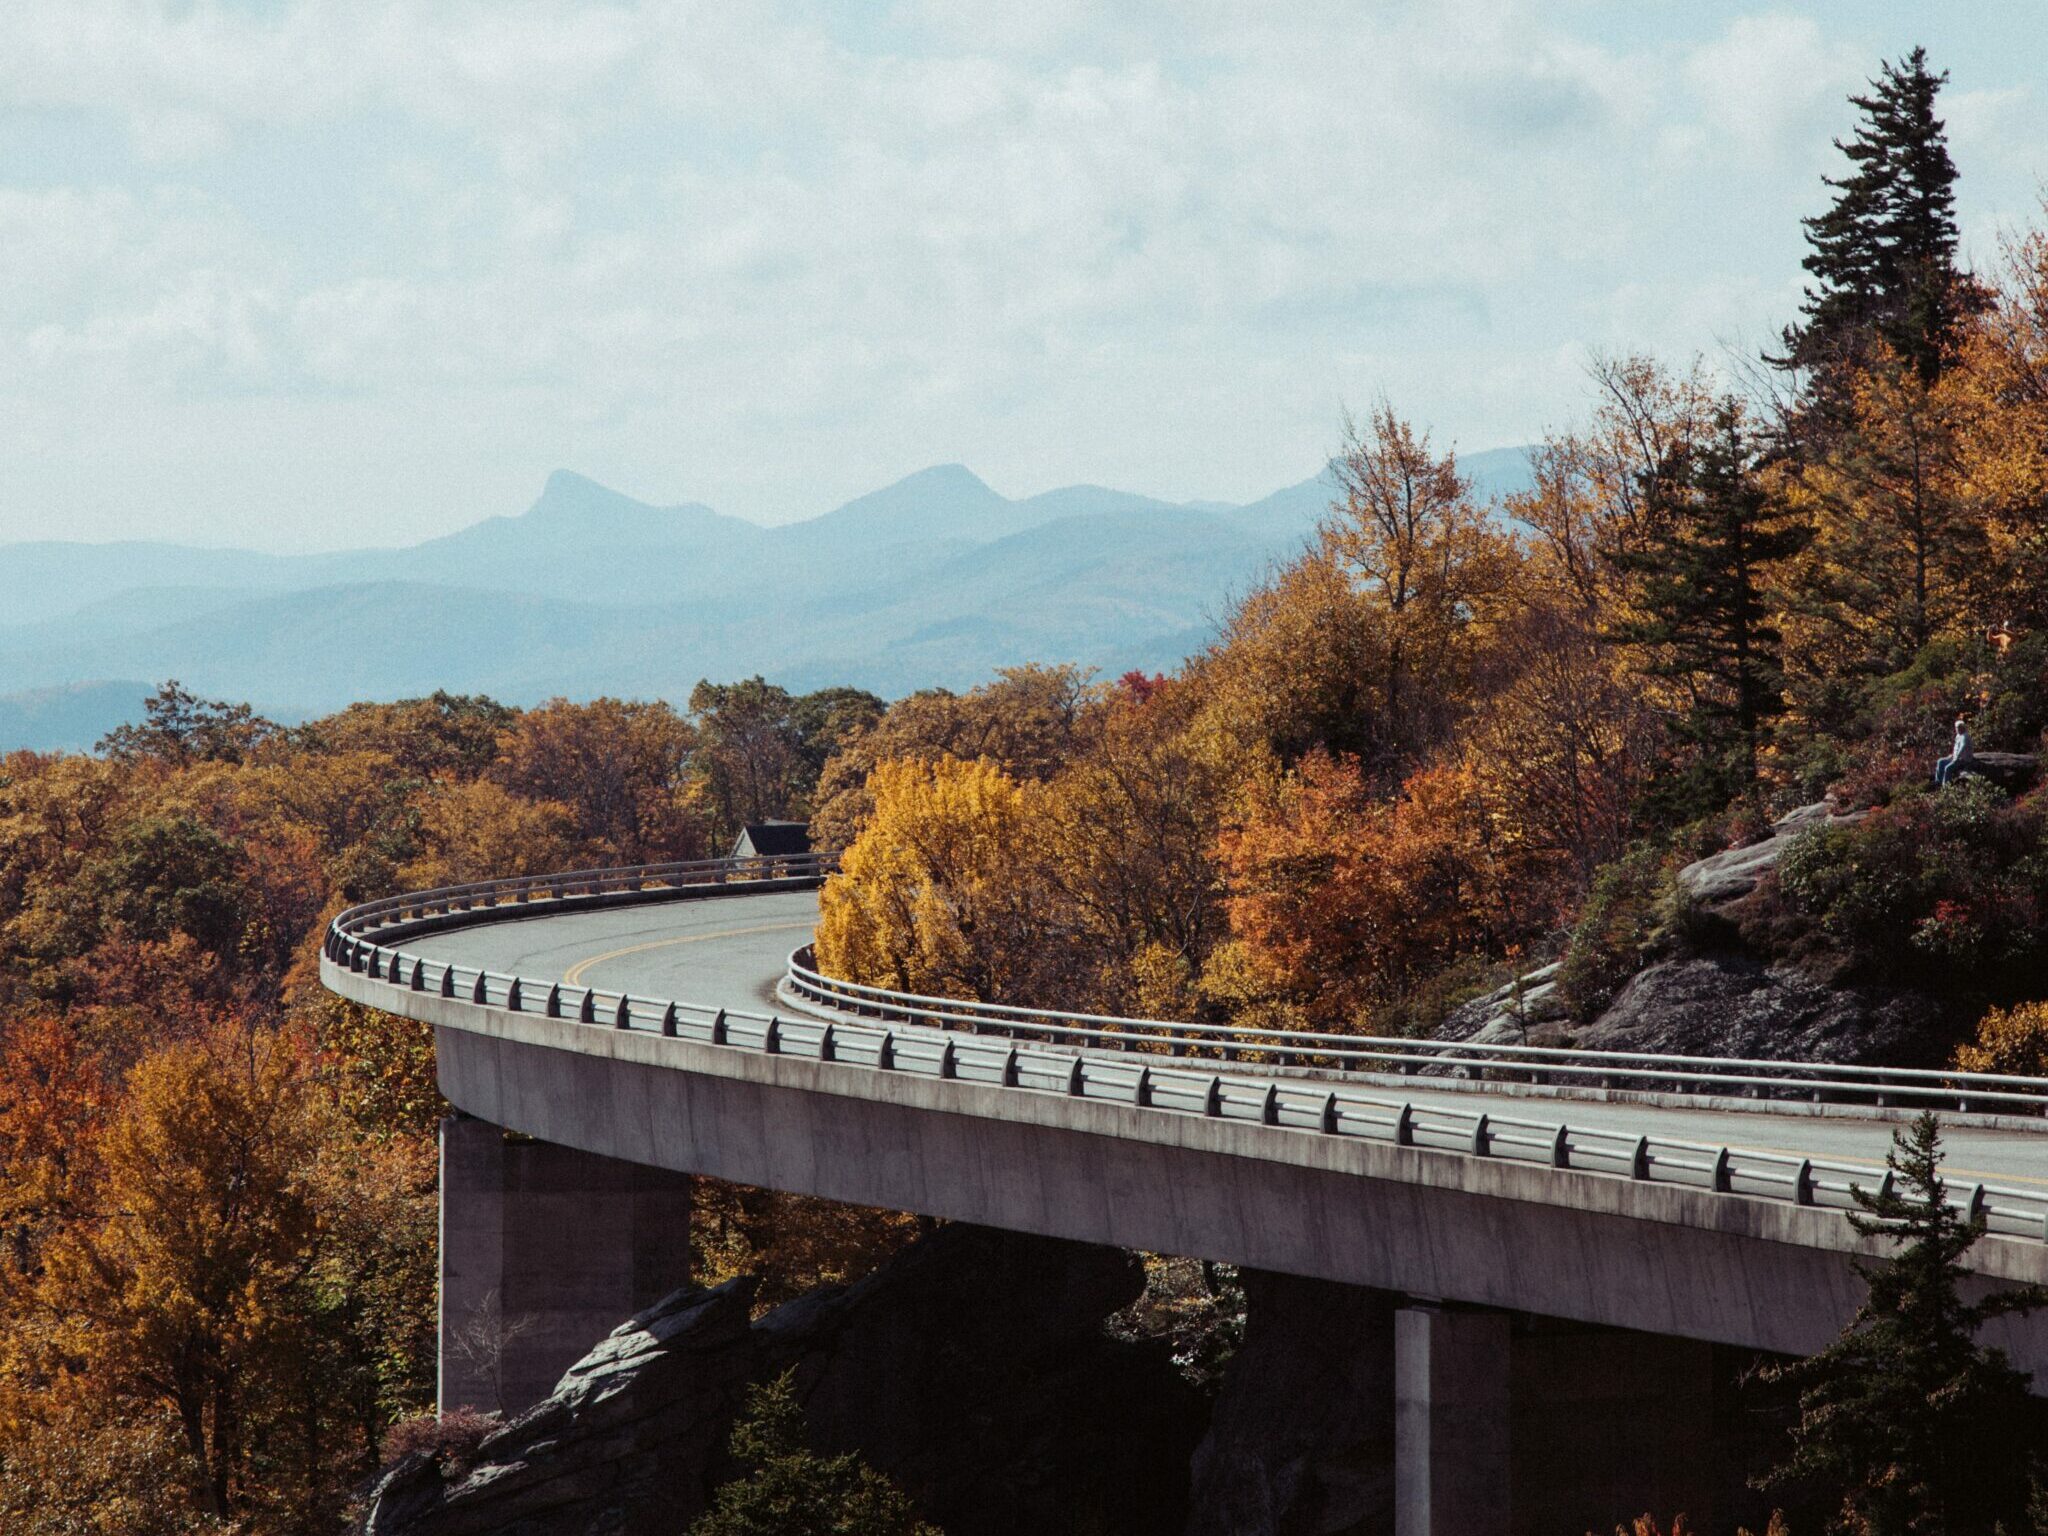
x: 636, y: 1027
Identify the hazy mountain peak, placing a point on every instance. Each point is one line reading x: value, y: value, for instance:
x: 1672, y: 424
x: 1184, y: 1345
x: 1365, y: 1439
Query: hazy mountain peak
x: 567, y: 492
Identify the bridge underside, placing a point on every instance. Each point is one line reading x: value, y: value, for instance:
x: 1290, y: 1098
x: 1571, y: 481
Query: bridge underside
x: 1773, y: 1278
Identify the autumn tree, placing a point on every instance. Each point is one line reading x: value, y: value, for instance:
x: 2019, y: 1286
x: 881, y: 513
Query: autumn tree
x: 1702, y: 593
x: 179, y: 728
x: 444, y: 735
x: 1899, y: 556
x: 620, y: 767
x: 1126, y: 852
x: 181, y: 1288
x: 759, y: 749
x: 1345, y: 896
x: 1026, y: 721
x: 933, y: 896
x: 479, y: 830
x: 1592, y: 495
x: 1430, y: 570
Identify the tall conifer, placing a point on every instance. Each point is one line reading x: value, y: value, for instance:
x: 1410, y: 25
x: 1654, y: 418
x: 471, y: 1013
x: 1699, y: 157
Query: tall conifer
x: 1883, y: 258
x: 1908, y: 1425
x: 1699, y: 595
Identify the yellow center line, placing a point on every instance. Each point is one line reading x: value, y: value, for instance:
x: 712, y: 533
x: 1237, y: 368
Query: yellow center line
x: 574, y: 975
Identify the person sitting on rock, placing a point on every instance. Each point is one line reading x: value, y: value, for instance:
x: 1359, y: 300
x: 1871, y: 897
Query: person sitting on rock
x: 1947, y: 769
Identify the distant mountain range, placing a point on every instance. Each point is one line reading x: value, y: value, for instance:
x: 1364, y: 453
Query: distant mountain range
x: 935, y: 580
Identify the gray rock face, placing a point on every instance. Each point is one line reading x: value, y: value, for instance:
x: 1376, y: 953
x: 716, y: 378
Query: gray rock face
x: 1729, y: 876
x: 1725, y: 1005
x: 972, y: 1368
x: 627, y: 1444
x: 2013, y: 772
x: 1302, y: 1440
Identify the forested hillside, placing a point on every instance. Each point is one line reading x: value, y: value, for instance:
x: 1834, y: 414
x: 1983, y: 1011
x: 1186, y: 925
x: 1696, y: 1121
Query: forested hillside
x: 1456, y: 737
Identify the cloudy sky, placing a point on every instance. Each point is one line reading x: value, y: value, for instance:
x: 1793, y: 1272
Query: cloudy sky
x: 311, y: 273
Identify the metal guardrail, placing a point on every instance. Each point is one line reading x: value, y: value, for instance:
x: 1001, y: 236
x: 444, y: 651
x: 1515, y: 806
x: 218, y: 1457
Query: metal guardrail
x: 1554, y: 1066
x: 931, y: 1041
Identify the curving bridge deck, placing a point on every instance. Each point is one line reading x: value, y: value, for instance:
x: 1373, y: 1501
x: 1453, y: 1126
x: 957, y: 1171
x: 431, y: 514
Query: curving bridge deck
x: 653, y: 1023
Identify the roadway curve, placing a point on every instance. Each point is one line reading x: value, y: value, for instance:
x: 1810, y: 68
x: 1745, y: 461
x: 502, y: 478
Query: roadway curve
x: 732, y: 953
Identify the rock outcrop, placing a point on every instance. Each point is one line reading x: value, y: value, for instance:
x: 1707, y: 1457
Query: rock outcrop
x: 2013, y: 772
x: 1302, y: 1439
x: 972, y: 1368
x: 1729, y: 1005
x: 1729, y: 876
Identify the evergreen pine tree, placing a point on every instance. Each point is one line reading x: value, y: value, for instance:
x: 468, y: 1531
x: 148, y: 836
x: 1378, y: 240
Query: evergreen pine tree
x: 1699, y: 596
x: 1906, y: 1424
x: 1883, y: 257
x: 789, y: 1491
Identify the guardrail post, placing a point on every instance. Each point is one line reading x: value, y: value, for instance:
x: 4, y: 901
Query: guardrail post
x: 1077, y: 1085
x: 771, y: 1037
x: 718, y: 1027
x: 1887, y: 1185
x: 1010, y: 1073
x: 1212, y: 1100
x: 376, y: 965
x: 1141, y: 1091
x: 948, y: 1065
x: 885, y: 1053
x: 1482, y: 1138
x: 1639, y: 1159
x: 512, y: 995
x: 1973, y: 1208
x: 479, y: 993
x: 1802, y: 1183
x: 554, y: 1007
x: 447, y: 980
x: 419, y: 975
x: 1329, y: 1116
x: 668, y: 1020
x: 1561, y: 1147
x: 826, y: 1051
x: 1724, y: 1180
x: 1404, y: 1126
x: 623, y: 1018
x: 1269, y: 1105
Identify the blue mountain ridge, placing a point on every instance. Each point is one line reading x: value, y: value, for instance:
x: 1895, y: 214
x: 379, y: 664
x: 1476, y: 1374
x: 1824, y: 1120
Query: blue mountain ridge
x: 936, y: 580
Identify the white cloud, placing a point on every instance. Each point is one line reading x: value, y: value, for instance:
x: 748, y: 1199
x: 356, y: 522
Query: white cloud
x: 770, y: 256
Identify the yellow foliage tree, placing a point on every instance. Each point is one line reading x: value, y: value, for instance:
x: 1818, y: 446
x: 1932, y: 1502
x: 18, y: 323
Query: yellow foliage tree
x: 181, y: 1288
x: 933, y: 896
x: 2010, y: 1040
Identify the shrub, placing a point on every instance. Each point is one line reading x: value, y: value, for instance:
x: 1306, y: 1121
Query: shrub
x: 454, y: 1437
x: 1938, y: 890
x: 1624, y: 915
x: 789, y: 1491
x: 2013, y: 1040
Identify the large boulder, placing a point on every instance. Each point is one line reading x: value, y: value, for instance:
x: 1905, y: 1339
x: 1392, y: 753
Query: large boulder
x: 1728, y: 876
x: 1302, y: 1440
x: 2013, y: 772
x: 975, y: 1371
x: 972, y: 1368
x: 1729, y: 1005
x: 626, y: 1445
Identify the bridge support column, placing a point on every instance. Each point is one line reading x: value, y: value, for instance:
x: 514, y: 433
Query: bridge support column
x: 1452, y: 1422
x: 544, y: 1250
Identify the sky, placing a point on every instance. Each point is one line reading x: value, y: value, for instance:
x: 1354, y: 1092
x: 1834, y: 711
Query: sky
x: 316, y: 274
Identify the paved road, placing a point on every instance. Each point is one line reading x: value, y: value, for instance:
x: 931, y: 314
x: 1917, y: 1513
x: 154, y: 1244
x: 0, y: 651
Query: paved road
x: 730, y: 951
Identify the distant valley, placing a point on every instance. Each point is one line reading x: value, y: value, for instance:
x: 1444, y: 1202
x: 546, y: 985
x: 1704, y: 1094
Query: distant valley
x: 936, y: 580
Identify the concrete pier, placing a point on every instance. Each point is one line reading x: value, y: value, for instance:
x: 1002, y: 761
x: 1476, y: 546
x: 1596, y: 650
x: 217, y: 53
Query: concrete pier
x: 544, y: 1250
x: 1452, y: 1422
